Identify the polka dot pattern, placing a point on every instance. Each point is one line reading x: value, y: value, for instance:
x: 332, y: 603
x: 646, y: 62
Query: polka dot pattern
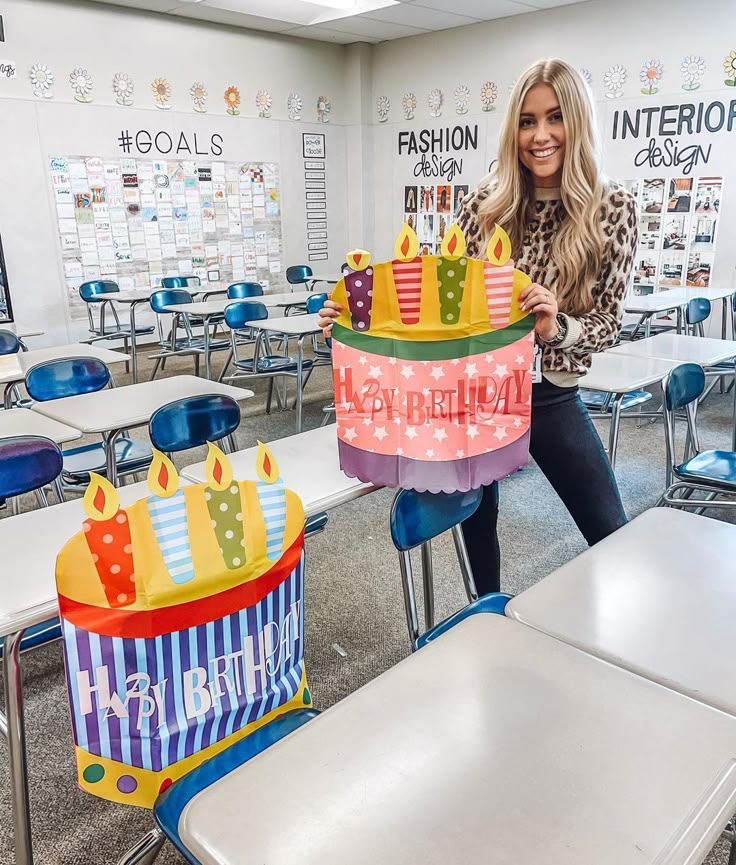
x: 451, y: 283
x: 111, y: 552
x: 359, y: 287
x: 226, y: 515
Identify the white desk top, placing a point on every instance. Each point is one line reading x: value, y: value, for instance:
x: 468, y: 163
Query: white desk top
x: 332, y: 278
x: 657, y: 597
x: 308, y: 463
x: 20, y: 330
x: 24, y: 422
x: 621, y: 373
x: 132, y: 295
x: 30, y: 543
x: 13, y: 367
x: 661, y: 301
x: 132, y: 405
x: 680, y: 348
x: 213, y: 307
x: 493, y: 744
x: 291, y: 325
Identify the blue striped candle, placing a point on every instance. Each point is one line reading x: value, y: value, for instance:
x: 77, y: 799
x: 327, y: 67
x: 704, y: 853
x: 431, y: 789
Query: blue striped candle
x: 272, y: 499
x: 169, y: 520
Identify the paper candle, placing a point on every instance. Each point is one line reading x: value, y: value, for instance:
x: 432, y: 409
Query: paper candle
x: 108, y: 537
x: 451, y: 270
x: 359, y: 288
x: 407, y: 271
x: 498, y: 273
x: 272, y: 498
x: 225, y: 507
x: 168, y: 513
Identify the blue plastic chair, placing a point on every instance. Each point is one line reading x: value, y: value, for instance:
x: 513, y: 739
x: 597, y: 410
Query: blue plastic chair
x: 300, y: 274
x: 28, y: 464
x: 697, y: 311
x: 181, y: 282
x: 56, y: 379
x: 416, y: 518
x: 194, y: 421
x: 243, y: 290
x: 712, y: 472
x: 101, y: 293
x: 9, y: 342
x: 263, y: 364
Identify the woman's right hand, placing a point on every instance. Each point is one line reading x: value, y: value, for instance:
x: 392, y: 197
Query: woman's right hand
x: 327, y: 315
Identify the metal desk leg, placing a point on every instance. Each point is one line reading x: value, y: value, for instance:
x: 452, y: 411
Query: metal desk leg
x: 8, y: 395
x: 733, y: 422
x: 13, y: 687
x: 133, y: 346
x: 613, y: 431
x: 110, y: 462
x: 207, y: 347
x: 300, y: 382
x: 724, y: 316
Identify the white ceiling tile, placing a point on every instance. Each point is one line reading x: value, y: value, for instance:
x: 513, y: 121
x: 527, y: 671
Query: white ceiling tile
x: 374, y: 29
x: 150, y: 5
x: 551, y: 4
x: 484, y: 10
x: 324, y: 35
x: 225, y: 16
x: 415, y: 16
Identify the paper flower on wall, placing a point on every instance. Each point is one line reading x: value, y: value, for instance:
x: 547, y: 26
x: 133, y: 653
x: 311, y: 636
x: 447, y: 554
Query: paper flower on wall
x: 294, y: 106
x: 123, y: 87
x: 729, y: 67
x: 323, y: 109
x: 512, y: 85
x: 232, y: 100
x: 42, y: 79
x: 692, y: 69
x: 434, y: 101
x: 587, y: 76
x: 383, y: 106
x: 409, y: 104
x: 488, y: 95
x: 198, y: 92
x: 161, y: 90
x: 650, y: 75
x: 462, y: 98
x: 82, y: 84
x: 263, y: 103
x: 614, y: 79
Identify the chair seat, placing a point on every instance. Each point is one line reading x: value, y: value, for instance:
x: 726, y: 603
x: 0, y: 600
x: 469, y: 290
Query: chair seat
x: 118, y: 331
x: 628, y: 330
x: 716, y: 468
x: 131, y: 455
x: 272, y: 363
x: 595, y: 399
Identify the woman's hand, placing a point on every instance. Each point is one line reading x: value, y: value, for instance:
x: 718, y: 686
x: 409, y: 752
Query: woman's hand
x: 543, y: 303
x: 327, y: 314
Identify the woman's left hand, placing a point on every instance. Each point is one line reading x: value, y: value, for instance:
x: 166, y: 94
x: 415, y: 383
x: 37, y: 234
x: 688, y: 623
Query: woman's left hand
x: 543, y: 303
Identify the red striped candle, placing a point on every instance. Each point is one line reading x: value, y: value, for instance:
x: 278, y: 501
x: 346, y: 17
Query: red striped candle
x: 498, y: 275
x: 407, y: 272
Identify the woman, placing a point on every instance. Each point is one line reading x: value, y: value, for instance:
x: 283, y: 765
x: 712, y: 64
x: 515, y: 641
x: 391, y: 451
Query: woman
x: 575, y: 235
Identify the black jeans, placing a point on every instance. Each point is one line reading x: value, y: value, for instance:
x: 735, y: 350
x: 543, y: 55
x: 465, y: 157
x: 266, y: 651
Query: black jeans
x: 566, y: 447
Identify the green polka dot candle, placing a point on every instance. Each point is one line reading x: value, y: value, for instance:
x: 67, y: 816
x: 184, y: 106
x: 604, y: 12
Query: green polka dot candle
x: 225, y: 507
x: 451, y: 270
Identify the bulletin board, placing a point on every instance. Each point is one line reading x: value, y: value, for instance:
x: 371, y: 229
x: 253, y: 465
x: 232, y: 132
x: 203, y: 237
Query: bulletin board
x: 678, y: 230
x: 430, y: 208
x: 134, y: 221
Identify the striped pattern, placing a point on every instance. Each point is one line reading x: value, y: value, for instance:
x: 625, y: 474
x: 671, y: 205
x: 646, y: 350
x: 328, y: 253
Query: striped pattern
x: 166, y: 737
x: 408, y: 281
x: 499, y: 283
x: 169, y: 521
x: 272, y: 498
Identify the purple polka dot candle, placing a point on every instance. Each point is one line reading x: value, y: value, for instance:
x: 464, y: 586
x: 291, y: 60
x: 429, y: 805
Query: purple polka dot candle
x: 359, y: 289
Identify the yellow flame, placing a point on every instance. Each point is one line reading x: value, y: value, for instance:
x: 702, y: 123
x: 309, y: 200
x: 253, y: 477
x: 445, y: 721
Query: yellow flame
x: 453, y: 244
x: 499, y: 247
x: 358, y: 259
x: 101, y: 501
x: 163, y: 479
x: 406, y: 247
x: 217, y: 468
x: 266, y: 464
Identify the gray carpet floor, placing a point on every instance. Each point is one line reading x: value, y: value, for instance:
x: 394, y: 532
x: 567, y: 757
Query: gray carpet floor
x: 352, y: 601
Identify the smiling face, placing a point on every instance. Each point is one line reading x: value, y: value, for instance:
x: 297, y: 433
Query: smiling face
x: 541, y: 136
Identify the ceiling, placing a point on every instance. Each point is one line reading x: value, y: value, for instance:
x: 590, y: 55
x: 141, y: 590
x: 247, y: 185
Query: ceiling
x: 345, y: 21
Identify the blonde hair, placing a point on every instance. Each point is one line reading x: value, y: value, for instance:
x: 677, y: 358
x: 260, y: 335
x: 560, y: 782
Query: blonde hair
x: 577, y: 249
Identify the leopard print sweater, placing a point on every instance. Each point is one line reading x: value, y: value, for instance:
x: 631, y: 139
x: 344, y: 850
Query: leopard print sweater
x: 595, y: 330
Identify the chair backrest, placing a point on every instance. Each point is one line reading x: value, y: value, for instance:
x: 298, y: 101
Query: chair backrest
x: 238, y: 314
x: 181, y: 282
x: 194, y: 421
x: 316, y: 302
x: 682, y: 388
x: 166, y: 297
x: 91, y: 292
x: 27, y: 463
x: 67, y: 376
x: 698, y: 309
x: 419, y: 517
x: 9, y: 342
x: 344, y: 268
x: 298, y: 273
x: 240, y: 290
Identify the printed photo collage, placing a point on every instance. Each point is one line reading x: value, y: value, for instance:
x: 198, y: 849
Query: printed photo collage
x: 134, y: 221
x: 430, y: 210
x: 678, y: 225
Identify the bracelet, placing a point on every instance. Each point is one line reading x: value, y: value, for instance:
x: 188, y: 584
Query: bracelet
x: 560, y: 338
